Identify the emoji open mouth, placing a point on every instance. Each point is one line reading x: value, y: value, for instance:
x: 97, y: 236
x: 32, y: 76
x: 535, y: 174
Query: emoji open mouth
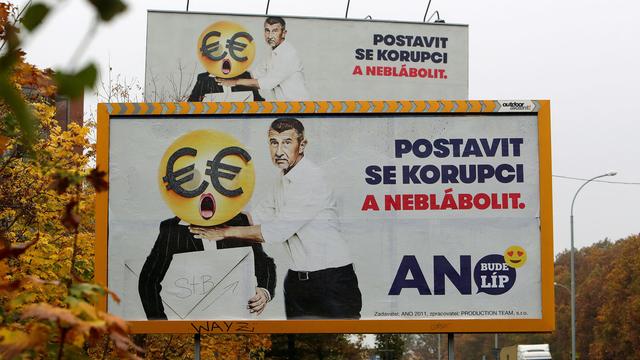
x: 226, y: 66
x: 515, y: 261
x: 207, y: 206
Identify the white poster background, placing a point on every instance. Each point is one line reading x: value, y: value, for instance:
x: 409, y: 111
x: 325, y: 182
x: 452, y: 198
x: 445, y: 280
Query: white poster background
x: 344, y: 147
x: 326, y: 48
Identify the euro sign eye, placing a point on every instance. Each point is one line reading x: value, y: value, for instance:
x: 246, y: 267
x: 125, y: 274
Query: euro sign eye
x: 208, y: 50
x: 234, y: 45
x: 216, y: 169
x: 175, y: 179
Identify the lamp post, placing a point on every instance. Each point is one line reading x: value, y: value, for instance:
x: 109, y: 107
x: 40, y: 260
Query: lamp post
x: 562, y: 286
x: 573, y: 274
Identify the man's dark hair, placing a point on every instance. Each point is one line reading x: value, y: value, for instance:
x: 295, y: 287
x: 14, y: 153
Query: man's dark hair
x: 275, y: 20
x: 284, y: 124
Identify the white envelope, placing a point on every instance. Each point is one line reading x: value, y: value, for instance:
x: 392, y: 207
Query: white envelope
x: 207, y: 285
x: 229, y: 96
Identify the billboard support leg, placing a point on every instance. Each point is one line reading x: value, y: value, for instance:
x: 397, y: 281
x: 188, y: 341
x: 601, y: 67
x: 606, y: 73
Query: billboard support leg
x: 196, y: 340
x: 450, y: 345
x: 291, y: 346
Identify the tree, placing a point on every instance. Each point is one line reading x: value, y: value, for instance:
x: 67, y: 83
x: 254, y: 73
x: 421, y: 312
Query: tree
x: 47, y: 303
x: 390, y: 346
x: 47, y: 248
x: 424, y: 346
x: 616, y: 332
x: 317, y: 346
x: 607, y: 306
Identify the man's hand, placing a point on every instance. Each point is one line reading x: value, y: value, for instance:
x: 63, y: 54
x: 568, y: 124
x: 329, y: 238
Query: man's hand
x: 248, y: 215
x: 250, y: 233
x: 227, y: 82
x: 208, y: 233
x: 252, y: 83
x: 258, y: 302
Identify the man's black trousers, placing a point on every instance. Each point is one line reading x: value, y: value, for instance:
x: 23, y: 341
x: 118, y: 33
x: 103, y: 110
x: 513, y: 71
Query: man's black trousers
x: 324, y: 294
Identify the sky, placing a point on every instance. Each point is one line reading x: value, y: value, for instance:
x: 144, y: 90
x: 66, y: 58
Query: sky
x: 582, y: 55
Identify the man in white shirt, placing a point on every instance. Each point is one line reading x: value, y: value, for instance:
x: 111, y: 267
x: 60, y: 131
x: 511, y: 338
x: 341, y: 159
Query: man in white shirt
x: 281, y: 76
x: 301, y: 213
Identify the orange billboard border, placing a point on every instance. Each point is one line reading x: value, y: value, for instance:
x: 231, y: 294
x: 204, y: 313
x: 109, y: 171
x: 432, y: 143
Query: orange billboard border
x: 540, y: 107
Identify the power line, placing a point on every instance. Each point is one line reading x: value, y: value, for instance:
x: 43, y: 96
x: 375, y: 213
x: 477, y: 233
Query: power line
x: 601, y: 181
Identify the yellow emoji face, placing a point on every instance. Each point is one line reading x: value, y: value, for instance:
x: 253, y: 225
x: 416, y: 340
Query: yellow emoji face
x: 515, y: 256
x: 206, y: 177
x: 226, y: 49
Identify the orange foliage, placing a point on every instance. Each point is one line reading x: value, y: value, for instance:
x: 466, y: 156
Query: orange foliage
x: 616, y: 334
x: 607, y: 306
x: 5, y: 11
x: 46, y: 234
x: 29, y: 77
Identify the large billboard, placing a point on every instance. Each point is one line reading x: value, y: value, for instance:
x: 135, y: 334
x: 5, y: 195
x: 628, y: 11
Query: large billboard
x: 381, y: 216
x: 221, y: 57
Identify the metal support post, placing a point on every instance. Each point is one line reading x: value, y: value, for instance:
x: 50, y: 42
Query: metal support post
x: 196, y: 351
x: 572, y: 267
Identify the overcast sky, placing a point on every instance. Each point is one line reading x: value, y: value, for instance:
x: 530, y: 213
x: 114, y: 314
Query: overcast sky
x: 582, y: 55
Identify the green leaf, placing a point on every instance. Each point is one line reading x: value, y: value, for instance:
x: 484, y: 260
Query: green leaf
x: 107, y: 9
x: 72, y: 352
x: 22, y: 298
x: 21, y: 114
x: 34, y: 16
x: 73, y: 85
x: 86, y: 291
x: 9, y: 126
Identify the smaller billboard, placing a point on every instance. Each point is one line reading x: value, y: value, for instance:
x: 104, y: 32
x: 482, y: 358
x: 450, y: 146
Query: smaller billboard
x: 222, y: 57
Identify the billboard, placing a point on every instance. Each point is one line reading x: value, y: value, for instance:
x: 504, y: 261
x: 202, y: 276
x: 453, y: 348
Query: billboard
x: 222, y: 57
x: 367, y: 216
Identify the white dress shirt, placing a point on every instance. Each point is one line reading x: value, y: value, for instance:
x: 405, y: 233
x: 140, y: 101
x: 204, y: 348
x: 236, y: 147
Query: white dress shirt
x: 301, y: 212
x: 282, y: 75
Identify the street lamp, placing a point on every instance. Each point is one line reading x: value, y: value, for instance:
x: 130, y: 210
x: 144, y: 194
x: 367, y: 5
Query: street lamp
x: 573, y: 274
x: 562, y: 286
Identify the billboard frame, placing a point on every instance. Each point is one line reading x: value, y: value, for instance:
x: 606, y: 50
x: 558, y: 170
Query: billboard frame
x: 541, y: 108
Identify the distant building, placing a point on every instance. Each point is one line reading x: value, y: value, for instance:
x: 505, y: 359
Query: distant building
x: 38, y: 85
x: 69, y: 110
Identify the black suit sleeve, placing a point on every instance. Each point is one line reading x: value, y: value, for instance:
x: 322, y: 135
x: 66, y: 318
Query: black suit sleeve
x: 206, y: 84
x: 173, y: 239
x: 265, y: 270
